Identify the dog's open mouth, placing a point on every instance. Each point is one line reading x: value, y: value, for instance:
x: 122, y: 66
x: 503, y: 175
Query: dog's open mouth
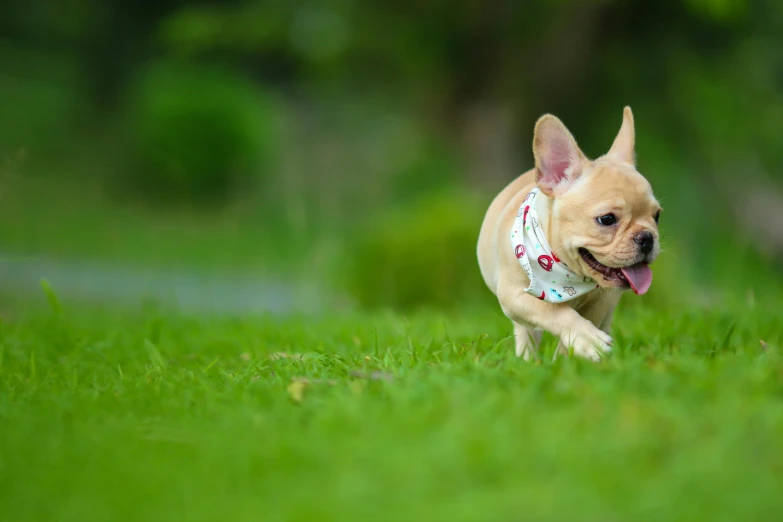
x: 638, y: 277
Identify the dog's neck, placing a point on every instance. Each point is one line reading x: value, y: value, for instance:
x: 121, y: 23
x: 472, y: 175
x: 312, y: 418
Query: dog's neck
x: 551, y: 278
x: 545, y: 215
x: 549, y: 226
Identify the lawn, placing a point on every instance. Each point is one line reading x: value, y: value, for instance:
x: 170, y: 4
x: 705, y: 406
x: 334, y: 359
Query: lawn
x: 151, y: 415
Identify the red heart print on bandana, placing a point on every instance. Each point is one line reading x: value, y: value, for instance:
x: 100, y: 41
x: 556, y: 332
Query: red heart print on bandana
x: 546, y: 262
x: 519, y: 251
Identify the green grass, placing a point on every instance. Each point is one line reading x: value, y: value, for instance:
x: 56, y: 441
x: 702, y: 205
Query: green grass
x: 155, y: 416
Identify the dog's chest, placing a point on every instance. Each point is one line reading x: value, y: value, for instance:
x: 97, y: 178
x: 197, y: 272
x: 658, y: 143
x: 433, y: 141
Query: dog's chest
x: 598, y: 298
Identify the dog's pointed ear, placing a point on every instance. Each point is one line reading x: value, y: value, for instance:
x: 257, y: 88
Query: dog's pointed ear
x: 623, y: 146
x: 559, y: 161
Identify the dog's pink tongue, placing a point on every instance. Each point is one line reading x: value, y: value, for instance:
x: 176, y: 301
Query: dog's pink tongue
x: 640, y: 277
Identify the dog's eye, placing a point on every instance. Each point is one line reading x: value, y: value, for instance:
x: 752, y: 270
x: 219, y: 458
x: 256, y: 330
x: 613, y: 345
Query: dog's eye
x: 657, y: 216
x: 607, y: 220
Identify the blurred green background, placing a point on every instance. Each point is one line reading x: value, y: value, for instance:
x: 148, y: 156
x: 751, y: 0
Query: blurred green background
x: 299, y: 155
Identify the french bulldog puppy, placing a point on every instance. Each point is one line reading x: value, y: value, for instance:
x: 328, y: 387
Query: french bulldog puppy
x: 562, y: 242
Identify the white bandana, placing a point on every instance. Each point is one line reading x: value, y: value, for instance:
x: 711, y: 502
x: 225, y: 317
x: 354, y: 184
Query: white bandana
x: 550, y: 279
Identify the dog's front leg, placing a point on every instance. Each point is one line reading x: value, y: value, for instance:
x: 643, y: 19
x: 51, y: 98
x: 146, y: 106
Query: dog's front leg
x: 561, y: 320
x: 526, y: 340
x: 600, y: 313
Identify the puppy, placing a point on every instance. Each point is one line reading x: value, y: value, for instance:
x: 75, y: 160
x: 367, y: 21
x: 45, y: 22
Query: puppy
x: 561, y: 243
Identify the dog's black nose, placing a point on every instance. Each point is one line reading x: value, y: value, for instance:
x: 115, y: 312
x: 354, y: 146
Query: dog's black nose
x: 645, y: 240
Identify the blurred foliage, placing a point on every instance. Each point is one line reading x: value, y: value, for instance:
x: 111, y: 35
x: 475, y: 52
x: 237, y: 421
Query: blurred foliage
x: 433, y: 167
x: 419, y: 255
x: 40, y: 90
x: 198, y: 134
x: 340, y: 115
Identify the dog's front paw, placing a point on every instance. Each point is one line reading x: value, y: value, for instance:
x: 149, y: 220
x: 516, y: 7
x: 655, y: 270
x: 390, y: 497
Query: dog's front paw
x: 592, y: 344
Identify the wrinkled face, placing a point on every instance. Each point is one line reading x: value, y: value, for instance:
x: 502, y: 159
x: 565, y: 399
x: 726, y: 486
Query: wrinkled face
x: 607, y: 223
x: 604, y: 214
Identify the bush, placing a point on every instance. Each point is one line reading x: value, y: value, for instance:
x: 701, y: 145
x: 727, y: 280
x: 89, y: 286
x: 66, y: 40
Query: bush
x: 198, y: 134
x: 421, y: 254
x: 41, y: 102
x: 435, y: 166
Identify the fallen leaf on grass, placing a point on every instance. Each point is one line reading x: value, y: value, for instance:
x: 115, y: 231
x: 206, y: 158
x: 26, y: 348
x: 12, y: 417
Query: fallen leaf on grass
x: 655, y: 364
x: 373, y: 376
x: 299, y: 384
x: 296, y: 389
x: 357, y: 387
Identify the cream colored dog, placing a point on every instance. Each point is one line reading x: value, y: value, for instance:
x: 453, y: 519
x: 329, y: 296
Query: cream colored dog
x: 560, y: 244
